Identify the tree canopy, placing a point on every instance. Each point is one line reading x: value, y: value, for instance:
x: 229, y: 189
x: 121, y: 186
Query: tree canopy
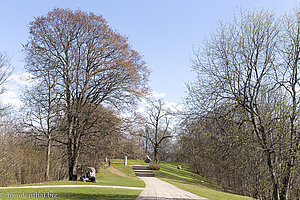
x: 91, y: 65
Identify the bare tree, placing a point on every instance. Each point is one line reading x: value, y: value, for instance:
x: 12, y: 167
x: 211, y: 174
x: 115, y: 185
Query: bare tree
x: 43, y: 111
x: 288, y: 78
x: 93, y: 65
x: 5, y: 71
x: 157, y: 125
x: 240, y: 67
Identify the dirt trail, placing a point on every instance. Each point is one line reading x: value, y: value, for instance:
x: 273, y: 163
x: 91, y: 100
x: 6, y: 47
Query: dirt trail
x: 117, y: 172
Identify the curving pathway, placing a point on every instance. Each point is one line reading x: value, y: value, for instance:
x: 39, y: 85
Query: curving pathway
x: 157, y: 189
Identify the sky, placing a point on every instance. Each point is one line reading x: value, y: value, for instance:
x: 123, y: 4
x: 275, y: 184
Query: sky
x: 164, y: 32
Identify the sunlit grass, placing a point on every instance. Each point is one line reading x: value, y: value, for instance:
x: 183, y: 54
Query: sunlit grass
x: 71, y: 193
x: 184, y: 179
x: 104, y: 177
x: 194, y: 183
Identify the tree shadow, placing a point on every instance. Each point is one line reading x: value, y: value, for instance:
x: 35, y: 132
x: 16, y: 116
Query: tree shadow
x: 81, y: 196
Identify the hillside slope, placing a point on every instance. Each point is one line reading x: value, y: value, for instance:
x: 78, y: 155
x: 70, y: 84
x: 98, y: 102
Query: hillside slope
x: 191, y: 182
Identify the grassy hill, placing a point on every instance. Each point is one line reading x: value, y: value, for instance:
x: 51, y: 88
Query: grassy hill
x: 120, y: 175
x: 186, y: 180
x: 194, y: 183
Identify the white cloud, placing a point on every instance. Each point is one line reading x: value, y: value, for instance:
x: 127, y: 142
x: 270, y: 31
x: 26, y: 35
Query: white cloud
x: 157, y: 95
x: 141, y: 109
x: 173, y: 106
x: 25, y: 79
x: 14, y: 86
x: 11, y: 98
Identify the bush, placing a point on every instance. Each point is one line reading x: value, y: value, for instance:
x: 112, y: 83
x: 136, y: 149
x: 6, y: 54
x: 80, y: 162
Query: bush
x: 154, y: 167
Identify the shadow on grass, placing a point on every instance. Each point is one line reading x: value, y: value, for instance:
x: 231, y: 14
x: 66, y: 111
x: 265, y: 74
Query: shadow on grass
x: 68, y: 196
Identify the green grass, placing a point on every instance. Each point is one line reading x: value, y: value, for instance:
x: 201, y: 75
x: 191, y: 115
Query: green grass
x: 184, y: 179
x: 103, y: 177
x: 128, y: 171
x: 120, y: 162
x: 72, y: 193
x: 194, y: 183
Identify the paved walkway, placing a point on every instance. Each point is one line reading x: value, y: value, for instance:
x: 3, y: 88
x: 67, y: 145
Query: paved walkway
x: 157, y: 189
x: 58, y: 186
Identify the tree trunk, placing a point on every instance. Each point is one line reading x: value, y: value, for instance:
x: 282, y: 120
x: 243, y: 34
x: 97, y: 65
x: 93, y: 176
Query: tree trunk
x: 284, y: 195
x: 76, y: 153
x: 73, y: 150
x: 261, y: 135
x: 273, y: 177
x: 285, y: 192
x: 286, y: 183
x: 70, y: 159
x: 155, y: 154
x: 146, y: 150
x: 70, y: 150
x: 48, y: 158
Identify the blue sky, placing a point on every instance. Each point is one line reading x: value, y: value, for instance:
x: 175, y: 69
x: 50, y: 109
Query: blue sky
x: 163, y: 31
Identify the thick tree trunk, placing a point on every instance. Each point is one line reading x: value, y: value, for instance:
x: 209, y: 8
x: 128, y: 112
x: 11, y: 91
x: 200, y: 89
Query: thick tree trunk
x: 70, y: 159
x: 286, y: 183
x: 73, y: 151
x: 272, y: 172
x: 70, y: 150
x: 275, y: 184
x: 261, y: 135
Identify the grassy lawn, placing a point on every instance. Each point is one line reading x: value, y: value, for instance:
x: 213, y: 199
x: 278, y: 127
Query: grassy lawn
x: 194, y: 183
x: 71, y: 193
x: 124, y: 176
x: 103, y: 177
x: 106, y: 177
x: 120, y: 162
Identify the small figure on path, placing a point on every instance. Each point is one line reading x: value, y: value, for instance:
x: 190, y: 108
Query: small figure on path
x: 109, y: 162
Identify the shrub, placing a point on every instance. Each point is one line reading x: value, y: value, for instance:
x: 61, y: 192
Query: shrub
x: 154, y: 167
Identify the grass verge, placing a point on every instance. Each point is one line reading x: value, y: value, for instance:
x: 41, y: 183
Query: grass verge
x: 191, y: 182
x: 184, y: 179
x: 69, y: 193
x: 103, y: 177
